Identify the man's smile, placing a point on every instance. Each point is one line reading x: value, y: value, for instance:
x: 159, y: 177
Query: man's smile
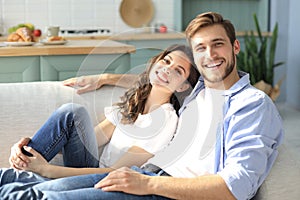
x: 214, y: 64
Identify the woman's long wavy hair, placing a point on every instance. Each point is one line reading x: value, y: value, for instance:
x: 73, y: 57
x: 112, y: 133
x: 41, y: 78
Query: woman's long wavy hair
x: 134, y: 100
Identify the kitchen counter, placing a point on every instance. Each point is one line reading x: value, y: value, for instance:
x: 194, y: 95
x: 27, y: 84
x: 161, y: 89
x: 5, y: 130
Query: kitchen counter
x: 41, y: 62
x: 124, y: 36
x: 72, y: 47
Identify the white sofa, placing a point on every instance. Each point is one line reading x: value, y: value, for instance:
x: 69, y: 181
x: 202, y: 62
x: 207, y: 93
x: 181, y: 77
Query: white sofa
x: 26, y: 106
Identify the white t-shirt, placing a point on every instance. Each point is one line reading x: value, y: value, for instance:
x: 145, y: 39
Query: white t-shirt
x: 192, y: 151
x: 152, y: 132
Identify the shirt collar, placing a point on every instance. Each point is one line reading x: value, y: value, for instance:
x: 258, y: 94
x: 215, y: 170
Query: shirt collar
x: 239, y: 85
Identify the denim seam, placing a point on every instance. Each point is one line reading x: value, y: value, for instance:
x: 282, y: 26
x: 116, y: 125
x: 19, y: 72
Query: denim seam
x: 56, y: 141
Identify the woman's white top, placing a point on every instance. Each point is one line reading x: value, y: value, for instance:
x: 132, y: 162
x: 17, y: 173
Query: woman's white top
x: 152, y: 132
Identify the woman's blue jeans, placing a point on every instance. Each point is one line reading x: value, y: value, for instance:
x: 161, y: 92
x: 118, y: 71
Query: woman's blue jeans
x: 68, y: 130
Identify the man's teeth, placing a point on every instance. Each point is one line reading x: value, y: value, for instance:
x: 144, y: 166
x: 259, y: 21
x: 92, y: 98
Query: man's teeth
x: 214, y: 64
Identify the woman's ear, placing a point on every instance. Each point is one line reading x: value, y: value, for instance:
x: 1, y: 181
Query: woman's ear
x: 183, y: 87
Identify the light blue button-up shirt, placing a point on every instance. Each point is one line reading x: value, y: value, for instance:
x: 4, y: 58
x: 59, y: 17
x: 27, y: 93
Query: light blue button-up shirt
x: 251, y: 133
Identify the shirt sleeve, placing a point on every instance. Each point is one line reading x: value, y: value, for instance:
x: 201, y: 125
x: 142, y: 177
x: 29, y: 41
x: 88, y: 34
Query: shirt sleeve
x: 252, y: 136
x: 112, y: 114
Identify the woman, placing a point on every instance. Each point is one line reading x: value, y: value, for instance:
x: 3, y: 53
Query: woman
x: 141, y: 125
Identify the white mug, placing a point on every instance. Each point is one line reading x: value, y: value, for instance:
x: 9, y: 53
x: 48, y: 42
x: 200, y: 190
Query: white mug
x: 52, y: 31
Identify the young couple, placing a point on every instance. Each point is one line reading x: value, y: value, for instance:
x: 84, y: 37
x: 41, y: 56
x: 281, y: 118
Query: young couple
x: 225, y: 143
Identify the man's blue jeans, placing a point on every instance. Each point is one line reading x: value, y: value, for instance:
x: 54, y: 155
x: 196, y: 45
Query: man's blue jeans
x: 68, y: 130
x: 26, y: 185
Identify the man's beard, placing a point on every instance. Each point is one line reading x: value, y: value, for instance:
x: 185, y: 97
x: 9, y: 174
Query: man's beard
x: 229, y: 68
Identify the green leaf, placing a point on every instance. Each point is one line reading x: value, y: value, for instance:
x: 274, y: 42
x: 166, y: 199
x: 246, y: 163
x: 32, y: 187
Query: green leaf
x: 258, y: 56
x: 257, y: 27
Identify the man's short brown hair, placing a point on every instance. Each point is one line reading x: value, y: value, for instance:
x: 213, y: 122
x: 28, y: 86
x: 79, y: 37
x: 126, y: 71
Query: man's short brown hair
x: 209, y: 19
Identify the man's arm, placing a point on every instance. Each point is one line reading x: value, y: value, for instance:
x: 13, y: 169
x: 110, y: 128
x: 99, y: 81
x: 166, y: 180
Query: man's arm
x: 93, y: 82
x: 121, y: 80
x: 202, y: 187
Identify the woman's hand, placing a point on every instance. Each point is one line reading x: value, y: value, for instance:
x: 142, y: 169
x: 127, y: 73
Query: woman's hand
x: 85, y: 83
x: 125, y: 180
x: 37, y: 163
x: 17, y: 158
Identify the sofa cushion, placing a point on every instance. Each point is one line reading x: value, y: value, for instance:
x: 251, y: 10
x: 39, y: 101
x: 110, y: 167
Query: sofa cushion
x: 282, y: 182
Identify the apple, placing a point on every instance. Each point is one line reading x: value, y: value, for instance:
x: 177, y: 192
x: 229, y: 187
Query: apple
x: 37, y: 32
x: 163, y: 29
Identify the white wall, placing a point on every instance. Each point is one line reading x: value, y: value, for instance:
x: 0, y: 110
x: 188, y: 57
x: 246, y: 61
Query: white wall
x: 77, y: 13
x: 293, y: 61
x: 286, y: 13
x: 280, y: 8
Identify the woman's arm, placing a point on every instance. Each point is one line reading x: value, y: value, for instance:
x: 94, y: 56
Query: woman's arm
x: 93, y: 82
x: 40, y: 166
x: 134, y: 156
x: 104, y: 131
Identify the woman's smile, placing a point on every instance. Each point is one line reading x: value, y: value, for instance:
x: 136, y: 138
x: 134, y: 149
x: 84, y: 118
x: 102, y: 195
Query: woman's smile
x: 162, y: 76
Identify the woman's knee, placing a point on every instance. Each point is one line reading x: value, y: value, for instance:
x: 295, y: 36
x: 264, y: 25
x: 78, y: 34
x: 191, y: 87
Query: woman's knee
x: 73, y: 108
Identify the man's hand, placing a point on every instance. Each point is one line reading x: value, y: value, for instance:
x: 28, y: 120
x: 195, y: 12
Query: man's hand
x: 85, y: 83
x: 93, y: 82
x: 125, y: 180
x: 17, y: 159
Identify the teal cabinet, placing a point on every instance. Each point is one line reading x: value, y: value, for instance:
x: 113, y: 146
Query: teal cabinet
x: 59, y: 62
x: 19, y: 69
x: 67, y: 66
x: 60, y: 67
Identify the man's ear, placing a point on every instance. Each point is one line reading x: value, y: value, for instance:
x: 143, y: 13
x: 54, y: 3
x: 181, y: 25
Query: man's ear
x: 183, y: 87
x: 236, y: 47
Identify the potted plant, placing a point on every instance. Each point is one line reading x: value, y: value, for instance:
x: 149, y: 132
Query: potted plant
x: 257, y: 59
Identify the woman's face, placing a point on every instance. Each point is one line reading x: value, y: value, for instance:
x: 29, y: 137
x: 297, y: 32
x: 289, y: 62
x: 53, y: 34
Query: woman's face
x: 171, y: 72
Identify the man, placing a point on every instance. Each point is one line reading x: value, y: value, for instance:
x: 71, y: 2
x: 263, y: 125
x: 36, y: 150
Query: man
x: 227, y: 138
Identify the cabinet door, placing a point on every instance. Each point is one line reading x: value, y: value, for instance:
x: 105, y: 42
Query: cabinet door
x: 19, y: 69
x: 59, y: 68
